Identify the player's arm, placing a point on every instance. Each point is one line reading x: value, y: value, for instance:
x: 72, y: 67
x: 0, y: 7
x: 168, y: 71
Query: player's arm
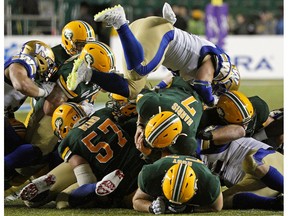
x: 203, y: 80
x: 21, y: 82
x: 141, y: 201
x: 54, y: 99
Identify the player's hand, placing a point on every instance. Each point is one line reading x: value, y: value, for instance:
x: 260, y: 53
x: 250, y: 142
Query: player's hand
x: 139, y: 141
x: 85, y: 70
x: 47, y: 87
x: 158, y: 206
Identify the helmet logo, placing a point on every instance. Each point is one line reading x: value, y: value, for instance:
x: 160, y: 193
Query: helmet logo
x: 89, y: 59
x: 58, y: 122
x: 68, y: 34
x: 220, y: 112
x: 40, y: 50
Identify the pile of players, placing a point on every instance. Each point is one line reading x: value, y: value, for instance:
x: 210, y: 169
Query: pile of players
x: 192, y: 143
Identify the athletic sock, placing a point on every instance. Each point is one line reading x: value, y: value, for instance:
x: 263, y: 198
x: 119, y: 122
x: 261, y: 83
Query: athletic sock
x: 274, y: 179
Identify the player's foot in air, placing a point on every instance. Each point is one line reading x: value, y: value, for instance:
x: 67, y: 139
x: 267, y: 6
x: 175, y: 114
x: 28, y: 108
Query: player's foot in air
x: 36, y: 187
x: 168, y: 13
x: 109, y: 183
x: 114, y: 16
x: 80, y: 73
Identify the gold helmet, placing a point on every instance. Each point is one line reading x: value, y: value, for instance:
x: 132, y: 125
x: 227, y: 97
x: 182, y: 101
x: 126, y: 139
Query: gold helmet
x: 179, y: 184
x: 98, y: 56
x: 75, y: 35
x: 122, y: 107
x: 65, y: 117
x: 235, y: 108
x: 163, y: 129
x: 43, y: 56
x: 231, y: 82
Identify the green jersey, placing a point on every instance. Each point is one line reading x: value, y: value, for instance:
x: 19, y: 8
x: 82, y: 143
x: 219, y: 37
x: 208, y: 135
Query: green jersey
x: 151, y: 176
x: 106, y: 147
x: 181, y: 99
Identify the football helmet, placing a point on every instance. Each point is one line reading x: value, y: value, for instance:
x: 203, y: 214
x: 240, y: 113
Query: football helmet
x: 98, y: 56
x: 231, y: 82
x: 75, y: 35
x: 179, y: 184
x: 163, y: 129
x: 235, y: 108
x: 43, y: 56
x: 122, y: 107
x: 65, y: 117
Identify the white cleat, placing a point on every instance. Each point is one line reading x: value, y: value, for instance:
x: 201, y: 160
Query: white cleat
x: 36, y: 187
x: 168, y: 13
x: 80, y: 73
x: 114, y: 16
x: 109, y: 183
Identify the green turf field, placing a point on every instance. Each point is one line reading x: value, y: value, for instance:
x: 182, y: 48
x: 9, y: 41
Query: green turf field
x: 270, y: 91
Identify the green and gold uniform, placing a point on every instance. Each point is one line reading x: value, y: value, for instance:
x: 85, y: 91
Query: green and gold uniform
x: 151, y: 176
x: 107, y: 147
x: 181, y: 99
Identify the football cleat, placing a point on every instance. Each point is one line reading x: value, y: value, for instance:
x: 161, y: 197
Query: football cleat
x: 36, y: 187
x: 114, y: 16
x: 80, y: 73
x: 168, y: 13
x: 109, y: 183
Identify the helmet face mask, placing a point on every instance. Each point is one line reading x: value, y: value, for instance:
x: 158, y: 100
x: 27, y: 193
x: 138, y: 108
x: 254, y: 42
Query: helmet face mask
x: 65, y: 117
x: 122, y: 107
x: 179, y: 184
x: 163, y: 129
x: 235, y: 108
x: 75, y: 35
x: 43, y: 56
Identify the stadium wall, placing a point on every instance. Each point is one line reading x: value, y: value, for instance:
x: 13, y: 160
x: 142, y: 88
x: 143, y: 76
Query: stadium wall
x: 257, y: 57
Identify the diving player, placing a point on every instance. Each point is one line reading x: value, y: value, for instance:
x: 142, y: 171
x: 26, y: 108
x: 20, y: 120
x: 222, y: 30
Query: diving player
x: 154, y: 41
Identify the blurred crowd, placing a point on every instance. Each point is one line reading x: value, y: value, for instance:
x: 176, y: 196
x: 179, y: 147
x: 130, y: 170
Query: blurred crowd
x: 192, y: 20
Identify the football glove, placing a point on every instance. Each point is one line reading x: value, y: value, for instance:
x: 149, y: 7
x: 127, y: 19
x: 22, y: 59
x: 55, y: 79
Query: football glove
x: 158, y: 206
x: 47, y: 88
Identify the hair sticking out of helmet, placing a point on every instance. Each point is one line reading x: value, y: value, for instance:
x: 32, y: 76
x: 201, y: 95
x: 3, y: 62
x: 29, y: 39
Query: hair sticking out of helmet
x: 235, y: 108
x: 43, y: 56
x: 179, y: 184
x: 75, y: 35
x: 98, y: 56
x: 163, y: 129
x: 65, y: 117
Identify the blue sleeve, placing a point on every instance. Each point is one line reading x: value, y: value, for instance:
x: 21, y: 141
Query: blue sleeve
x: 111, y: 82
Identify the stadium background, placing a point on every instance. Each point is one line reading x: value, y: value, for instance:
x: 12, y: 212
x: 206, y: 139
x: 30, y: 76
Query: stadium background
x: 259, y: 57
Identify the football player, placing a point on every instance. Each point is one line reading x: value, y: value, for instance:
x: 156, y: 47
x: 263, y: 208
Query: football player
x: 25, y: 75
x: 197, y: 60
x: 93, y: 146
x: 160, y: 111
x: 242, y: 116
x: 251, y: 170
x: 39, y: 132
x: 177, y: 184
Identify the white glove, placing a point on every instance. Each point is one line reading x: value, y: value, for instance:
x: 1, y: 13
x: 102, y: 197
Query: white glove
x: 85, y: 71
x: 157, y: 206
x: 46, y: 88
x: 88, y: 108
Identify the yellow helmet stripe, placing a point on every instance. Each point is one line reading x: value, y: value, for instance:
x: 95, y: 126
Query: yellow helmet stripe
x: 180, y: 177
x: 244, y: 112
x: 162, y: 127
x: 108, y: 50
